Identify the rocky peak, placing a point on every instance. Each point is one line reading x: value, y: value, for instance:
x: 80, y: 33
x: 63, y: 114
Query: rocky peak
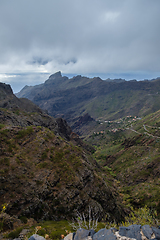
x: 55, y: 75
x: 77, y: 78
x: 55, y: 79
x: 5, y: 89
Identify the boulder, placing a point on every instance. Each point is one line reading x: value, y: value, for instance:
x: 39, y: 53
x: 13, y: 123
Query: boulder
x: 104, y: 234
x: 132, y: 231
x: 81, y: 234
x: 156, y: 232
x: 36, y: 237
x: 147, y: 231
x: 91, y: 233
x: 70, y: 236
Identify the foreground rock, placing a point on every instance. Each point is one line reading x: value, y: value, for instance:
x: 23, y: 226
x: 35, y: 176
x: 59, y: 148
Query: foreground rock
x: 133, y: 232
x: 137, y: 232
x: 36, y: 237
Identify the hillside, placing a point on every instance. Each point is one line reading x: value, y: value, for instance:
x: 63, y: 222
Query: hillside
x: 108, y: 100
x: 129, y: 149
x: 46, y: 171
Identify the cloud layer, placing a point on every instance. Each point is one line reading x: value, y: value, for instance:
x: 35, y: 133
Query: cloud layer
x: 79, y: 37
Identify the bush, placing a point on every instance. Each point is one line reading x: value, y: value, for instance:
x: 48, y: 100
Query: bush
x: 2, y: 126
x: 23, y: 219
x: 14, y: 234
x: 24, y: 132
x: 142, y: 216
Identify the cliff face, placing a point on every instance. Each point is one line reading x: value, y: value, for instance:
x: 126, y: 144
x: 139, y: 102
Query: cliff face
x: 46, y: 171
x: 5, y: 90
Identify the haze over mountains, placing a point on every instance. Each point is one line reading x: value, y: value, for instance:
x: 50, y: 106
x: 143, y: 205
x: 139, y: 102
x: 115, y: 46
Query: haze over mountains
x: 97, y: 99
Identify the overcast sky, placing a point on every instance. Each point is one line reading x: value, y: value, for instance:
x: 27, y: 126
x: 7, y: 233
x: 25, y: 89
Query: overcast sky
x: 106, y: 38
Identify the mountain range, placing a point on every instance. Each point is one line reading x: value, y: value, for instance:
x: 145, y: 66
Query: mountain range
x: 120, y: 119
x: 80, y: 96
x: 48, y: 172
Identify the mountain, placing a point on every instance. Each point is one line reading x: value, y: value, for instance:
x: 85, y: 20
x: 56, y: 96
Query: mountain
x: 46, y: 171
x: 107, y: 100
x: 121, y: 119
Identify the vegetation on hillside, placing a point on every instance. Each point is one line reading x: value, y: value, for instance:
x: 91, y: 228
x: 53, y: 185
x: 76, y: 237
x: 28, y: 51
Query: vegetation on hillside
x: 47, y: 174
x: 129, y: 149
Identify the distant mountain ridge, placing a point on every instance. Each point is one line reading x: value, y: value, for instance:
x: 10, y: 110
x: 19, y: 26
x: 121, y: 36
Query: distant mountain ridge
x: 107, y: 99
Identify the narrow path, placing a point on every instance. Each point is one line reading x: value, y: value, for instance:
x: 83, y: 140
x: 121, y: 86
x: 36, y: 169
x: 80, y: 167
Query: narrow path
x: 146, y: 131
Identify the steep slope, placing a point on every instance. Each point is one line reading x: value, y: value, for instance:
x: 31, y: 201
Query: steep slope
x: 110, y: 99
x: 46, y: 171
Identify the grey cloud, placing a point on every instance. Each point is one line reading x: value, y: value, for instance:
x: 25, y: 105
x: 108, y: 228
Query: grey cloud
x: 83, y: 37
x: 38, y: 60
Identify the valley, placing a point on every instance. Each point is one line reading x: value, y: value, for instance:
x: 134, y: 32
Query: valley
x: 129, y: 150
x: 120, y: 119
x: 109, y: 159
x: 108, y: 100
x: 46, y: 171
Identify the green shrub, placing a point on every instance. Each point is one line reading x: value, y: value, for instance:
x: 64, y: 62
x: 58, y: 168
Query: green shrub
x: 58, y: 155
x: 24, y: 132
x: 41, y: 232
x: 4, y: 132
x: 43, y: 165
x: 5, y: 161
x: 51, y: 157
x: 142, y: 216
x: 17, y: 112
x: 14, y: 234
x: 44, y: 155
x: 2, y: 126
x: 23, y: 219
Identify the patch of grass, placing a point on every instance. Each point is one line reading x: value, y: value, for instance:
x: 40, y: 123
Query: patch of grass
x: 53, y: 228
x: 24, y: 132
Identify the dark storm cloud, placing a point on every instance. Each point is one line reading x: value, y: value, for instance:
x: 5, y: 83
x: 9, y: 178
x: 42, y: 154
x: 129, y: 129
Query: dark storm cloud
x: 78, y: 36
